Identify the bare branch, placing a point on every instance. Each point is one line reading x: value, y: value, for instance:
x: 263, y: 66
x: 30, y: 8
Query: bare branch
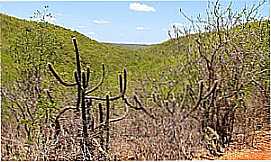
x: 99, y: 84
x: 141, y: 107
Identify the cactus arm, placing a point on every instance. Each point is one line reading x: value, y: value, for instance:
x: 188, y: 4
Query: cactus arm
x: 84, y: 79
x: 77, y: 73
x: 64, y: 110
x: 100, y: 83
x: 120, y: 83
x: 121, y: 117
x: 78, y: 78
x: 57, y: 125
x: 116, y: 119
x: 103, y: 99
x: 124, y: 83
x: 122, y: 93
x: 78, y: 66
x: 51, y: 68
x: 88, y: 76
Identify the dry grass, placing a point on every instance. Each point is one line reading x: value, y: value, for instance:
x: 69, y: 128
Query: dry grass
x: 135, y: 138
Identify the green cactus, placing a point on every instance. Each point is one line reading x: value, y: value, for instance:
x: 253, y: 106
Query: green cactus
x: 84, y: 103
x: 81, y: 81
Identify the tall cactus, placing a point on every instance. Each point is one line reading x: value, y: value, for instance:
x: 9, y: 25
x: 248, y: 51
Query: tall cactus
x: 81, y: 81
x: 84, y: 102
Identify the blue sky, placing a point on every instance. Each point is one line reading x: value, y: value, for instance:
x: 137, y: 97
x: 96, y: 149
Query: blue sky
x: 120, y: 21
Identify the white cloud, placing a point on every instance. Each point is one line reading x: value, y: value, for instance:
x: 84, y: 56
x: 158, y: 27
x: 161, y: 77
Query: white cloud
x: 101, y: 22
x: 136, y: 6
x: 141, y: 28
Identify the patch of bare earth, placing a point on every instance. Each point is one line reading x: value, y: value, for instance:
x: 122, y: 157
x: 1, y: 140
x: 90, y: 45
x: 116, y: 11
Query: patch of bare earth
x: 259, y: 150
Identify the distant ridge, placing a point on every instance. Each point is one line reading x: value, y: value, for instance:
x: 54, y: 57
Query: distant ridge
x: 130, y: 45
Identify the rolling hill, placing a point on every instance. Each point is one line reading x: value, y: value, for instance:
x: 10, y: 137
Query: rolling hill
x: 92, y: 52
x: 141, y: 61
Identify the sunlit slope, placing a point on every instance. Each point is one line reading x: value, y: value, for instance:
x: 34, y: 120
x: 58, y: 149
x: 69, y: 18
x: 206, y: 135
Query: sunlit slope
x: 93, y: 53
x: 150, y: 61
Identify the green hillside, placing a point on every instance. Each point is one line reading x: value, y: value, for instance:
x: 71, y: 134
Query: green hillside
x: 153, y: 60
x: 92, y: 52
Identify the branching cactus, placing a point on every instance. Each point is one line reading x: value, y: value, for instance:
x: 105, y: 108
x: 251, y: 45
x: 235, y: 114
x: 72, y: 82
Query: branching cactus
x: 83, y: 103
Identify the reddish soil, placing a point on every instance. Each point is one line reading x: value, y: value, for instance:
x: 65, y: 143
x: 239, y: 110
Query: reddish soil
x: 260, y: 151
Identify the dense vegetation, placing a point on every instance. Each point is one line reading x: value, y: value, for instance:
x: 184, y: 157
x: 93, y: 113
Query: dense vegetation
x: 189, y: 96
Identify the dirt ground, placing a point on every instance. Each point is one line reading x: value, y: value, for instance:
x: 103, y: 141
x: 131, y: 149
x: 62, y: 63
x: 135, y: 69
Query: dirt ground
x: 261, y: 150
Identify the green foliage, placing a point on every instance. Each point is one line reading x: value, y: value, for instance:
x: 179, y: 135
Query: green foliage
x: 25, y: 81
